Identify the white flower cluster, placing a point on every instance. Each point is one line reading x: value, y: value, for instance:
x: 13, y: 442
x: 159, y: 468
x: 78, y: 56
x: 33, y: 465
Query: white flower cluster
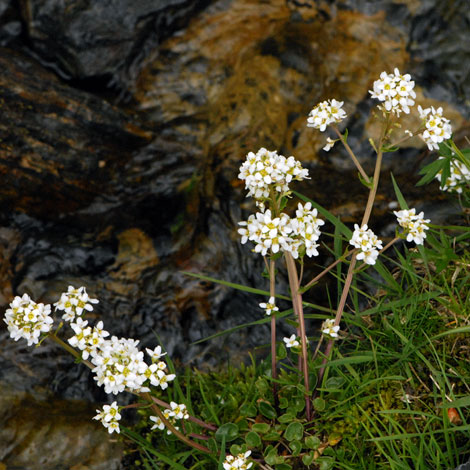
x: 109, y: 417
x: 414, y: 225
x: 88, y: 340
x: 329, y: 328
x: 395, y: 91
x: 270, y: 306
x: 289, y: 234
x: 326, y: 113
x: 264, y: 170
x: 176, y: 412
x: 365, y: 239
x: 27, y: 319
x: 120, y: 366
x: 74, y: 302
x: 458, y: 178
x: 438, y: 127
x: 237, y: 463
x: 291, y: 342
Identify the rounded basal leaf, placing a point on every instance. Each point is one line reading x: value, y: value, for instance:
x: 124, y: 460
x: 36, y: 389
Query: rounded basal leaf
x: 298, y: 404
x: 227, y: 430
x: 262, y: 428
x: 296, y: 447
x: 248, y: 409
x: 252, y: 439
x: 334, y: 383
x: 283, y: 403
x: 294, y: 431
x: 267, y: 410
x: 319, y: 404
x: 262, y: 386
x: 283, y: 466
x: 312, y: 442
x: 235, y: 449
x: 272, y: 458
x: 286, y: 418
x: 307, y: 459
x: 271, y: 436
x: 212, y: 445
x: 281, y: 351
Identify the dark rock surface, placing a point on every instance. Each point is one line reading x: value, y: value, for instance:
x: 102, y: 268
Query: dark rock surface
x: 122, y: 196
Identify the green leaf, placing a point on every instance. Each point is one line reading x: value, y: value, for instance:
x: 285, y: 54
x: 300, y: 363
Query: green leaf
x: 286, y: 418
x: 272, y: 458
x: 296, y: 447
x: 235, y: 449
x: 267, y: 410
x: 459, y: 403
x: 294, y: 431
x: 283, y: 403
x: 334, y: 382
x: 319, y: 404
x: 400, y: 198
x: 252, y: 439
x: 271, y: 436
x: 312, y: 442
x: 229, y: 431
x: 281, y: 351
x: 430, y: 171
x: 283, y: 466
x: 307, y: 459
x: 261, y: 427
x: 248, y: 409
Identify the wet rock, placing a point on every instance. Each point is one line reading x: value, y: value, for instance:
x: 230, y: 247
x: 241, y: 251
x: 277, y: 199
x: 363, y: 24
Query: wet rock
x: 245, y: 75
x: 92, y: 39
x: 52, y: 433
x: 10, y: 22
x: 65, y: 145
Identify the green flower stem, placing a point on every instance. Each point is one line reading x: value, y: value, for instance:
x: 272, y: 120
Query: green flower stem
x: 326, y: 270
x: 170, y: 427
x: 365, y: 220
x: 298, y: 309
x: 272, y: 293
x: 351, y: 154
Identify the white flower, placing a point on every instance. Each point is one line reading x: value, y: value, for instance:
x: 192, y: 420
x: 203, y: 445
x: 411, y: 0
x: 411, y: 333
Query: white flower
x: 268, y: 170
x: 109, y: 417
x: 27, y: 319
x: 365, y: 239
x: 86, y: 339
x: 395, y: 91
x: 459, y: 176
x: 73, y: 302
x: 291, y: 342
x: 176, y: 412
x: 325, y: 113
x: 237, y: 463
x: 158, y: 423
x: 329, y: 328
x: 156, y: 353
x: 270, y: 306
x: 120, y: 366
x: 283, y: 233
x: 437, y: 127
x: 329, y: 144
x: 414, y: 225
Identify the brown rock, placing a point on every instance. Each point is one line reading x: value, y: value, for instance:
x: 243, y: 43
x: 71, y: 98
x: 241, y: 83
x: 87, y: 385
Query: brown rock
x: 59, y: 147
